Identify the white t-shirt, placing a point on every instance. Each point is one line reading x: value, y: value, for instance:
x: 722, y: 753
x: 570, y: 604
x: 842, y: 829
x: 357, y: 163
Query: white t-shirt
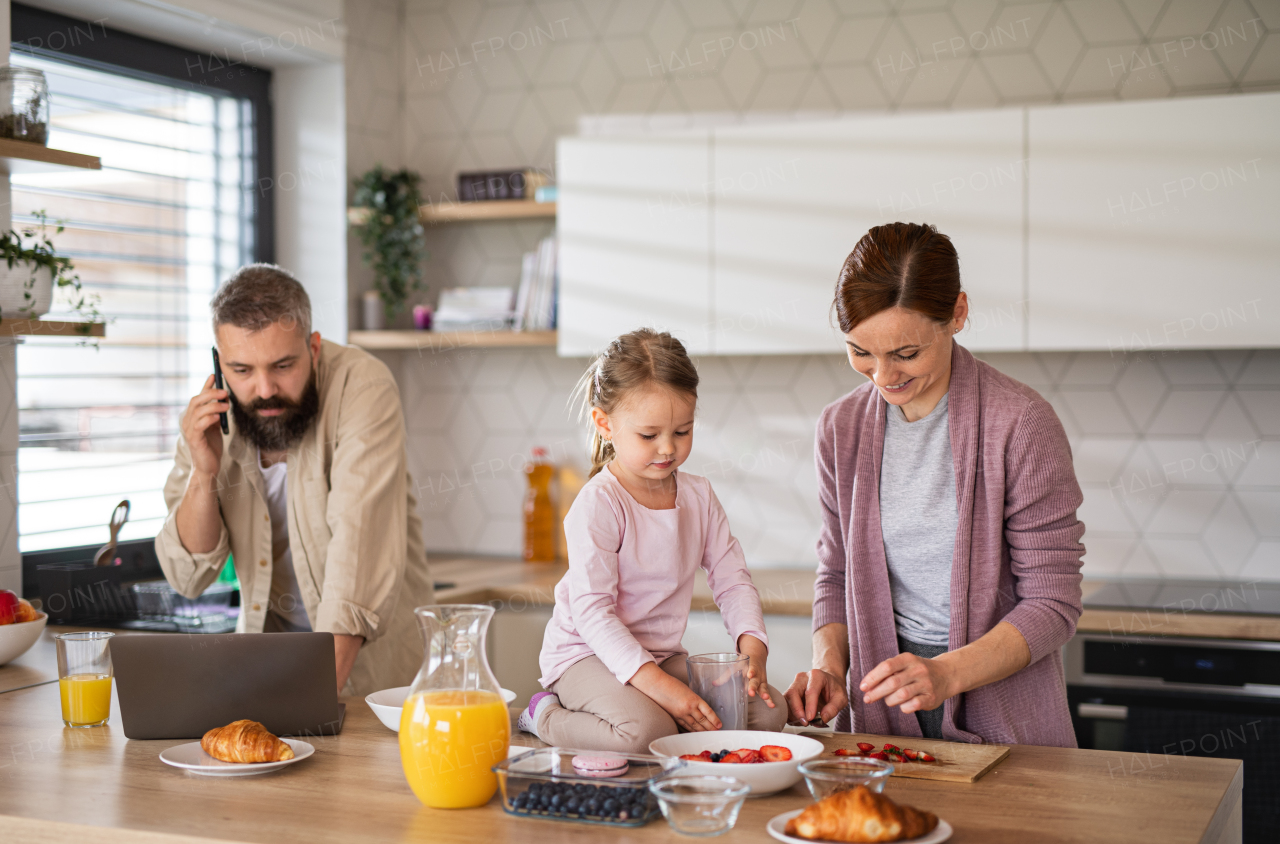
x: 286, y: 599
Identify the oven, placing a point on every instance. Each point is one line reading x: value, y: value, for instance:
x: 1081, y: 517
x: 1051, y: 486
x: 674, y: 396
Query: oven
x: 1155, y: 696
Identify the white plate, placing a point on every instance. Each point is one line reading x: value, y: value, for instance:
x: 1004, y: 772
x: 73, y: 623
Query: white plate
x: 191, y: 757
x: 776, y: 828
x: 387, y: 704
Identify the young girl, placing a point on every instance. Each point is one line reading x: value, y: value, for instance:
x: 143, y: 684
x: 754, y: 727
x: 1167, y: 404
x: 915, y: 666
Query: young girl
x: 637, y: 532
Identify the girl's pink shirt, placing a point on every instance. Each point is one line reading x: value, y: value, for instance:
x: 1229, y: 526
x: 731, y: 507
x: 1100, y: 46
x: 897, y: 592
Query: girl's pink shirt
x: 627, y: 594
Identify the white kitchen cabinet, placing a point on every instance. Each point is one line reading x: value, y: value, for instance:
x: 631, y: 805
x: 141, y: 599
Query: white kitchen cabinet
x: 633, y: 228
x: 1154, y: 224
x: 792, y: 199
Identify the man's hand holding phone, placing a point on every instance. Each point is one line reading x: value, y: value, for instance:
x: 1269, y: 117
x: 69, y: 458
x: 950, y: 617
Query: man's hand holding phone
x: 201, y: 428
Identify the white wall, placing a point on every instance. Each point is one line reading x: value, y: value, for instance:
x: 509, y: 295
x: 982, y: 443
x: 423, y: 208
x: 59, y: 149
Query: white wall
x: 310, y: 188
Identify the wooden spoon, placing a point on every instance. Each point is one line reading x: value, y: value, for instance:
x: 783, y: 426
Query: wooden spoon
x: 106, y: 554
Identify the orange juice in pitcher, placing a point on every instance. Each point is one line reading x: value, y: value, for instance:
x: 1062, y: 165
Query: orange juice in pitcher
x: 454, y: 726
x: 449, y: 743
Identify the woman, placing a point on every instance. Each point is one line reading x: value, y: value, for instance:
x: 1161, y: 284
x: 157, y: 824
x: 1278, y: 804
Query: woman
x: 949, y: 556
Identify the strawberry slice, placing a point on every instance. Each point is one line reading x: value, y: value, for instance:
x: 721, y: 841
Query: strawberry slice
x: 895, y: 757
x: 705, y: 756
x: 840, y: 751
x: 730, y: 758
x: 892, y: 748
x: 883, y: 757
x: 921, y: 756
x: 909, y: 753
x: 693, y: 757
x: 774, y: 753
x: 748, y: 755
x: 866, y: 747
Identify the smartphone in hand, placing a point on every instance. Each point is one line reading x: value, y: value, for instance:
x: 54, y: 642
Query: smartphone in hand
x: 217, y: 382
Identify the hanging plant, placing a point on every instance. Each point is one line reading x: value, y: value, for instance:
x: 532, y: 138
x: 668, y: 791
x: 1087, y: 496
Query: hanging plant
x: 391, y: 234
x: 30, y: 252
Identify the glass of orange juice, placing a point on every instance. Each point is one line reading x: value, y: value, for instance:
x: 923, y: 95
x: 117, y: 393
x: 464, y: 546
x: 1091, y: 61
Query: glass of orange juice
x: 84, y: 677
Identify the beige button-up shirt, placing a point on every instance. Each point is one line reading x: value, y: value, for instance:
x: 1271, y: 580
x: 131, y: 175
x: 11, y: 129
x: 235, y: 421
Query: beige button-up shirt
x: 354, y: 529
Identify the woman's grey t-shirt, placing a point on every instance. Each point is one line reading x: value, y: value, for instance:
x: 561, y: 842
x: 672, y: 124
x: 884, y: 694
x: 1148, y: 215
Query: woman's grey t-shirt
x: 918, y: 519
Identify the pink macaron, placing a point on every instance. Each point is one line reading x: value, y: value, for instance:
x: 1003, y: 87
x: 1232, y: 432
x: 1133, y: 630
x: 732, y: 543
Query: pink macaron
x: 600, y: 766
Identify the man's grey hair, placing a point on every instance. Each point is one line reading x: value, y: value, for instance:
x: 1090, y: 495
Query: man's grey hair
x: 258, y: 295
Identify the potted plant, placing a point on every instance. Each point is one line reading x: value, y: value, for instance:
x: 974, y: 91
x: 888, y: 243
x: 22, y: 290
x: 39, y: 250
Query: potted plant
x: 389, y: 229
x: 32, y: 269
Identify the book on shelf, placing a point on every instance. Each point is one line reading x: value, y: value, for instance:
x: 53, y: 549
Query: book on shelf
x: 475, y: 309
x: 536, y: 296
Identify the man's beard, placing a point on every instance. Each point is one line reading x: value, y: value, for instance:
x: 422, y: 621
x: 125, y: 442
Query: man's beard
x: 277, y: 433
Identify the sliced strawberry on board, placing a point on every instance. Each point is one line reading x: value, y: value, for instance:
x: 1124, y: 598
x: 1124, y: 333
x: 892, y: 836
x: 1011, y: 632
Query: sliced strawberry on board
x: 895, y: 757
x: 866, y: 747
x: 774, y: 753
x: 883, y: 757
x: 921, y: 756
x: 840, y: 751
x: 730, y: 758
x: 892, y: 748
x: 909, y: 753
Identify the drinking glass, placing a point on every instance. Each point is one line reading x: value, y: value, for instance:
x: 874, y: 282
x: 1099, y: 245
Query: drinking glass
x: 721, y: 680
x: 84, y: 677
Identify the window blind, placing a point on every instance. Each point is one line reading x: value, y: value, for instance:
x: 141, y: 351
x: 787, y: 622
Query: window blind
x: 170, y: 214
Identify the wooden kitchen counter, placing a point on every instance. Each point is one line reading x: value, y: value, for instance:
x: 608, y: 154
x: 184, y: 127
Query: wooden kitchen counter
x: 353, y: 789
x: 790, y: 592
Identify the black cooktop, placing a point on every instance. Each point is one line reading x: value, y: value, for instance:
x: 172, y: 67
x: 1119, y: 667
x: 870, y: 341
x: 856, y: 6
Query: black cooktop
x: 1185, y: 596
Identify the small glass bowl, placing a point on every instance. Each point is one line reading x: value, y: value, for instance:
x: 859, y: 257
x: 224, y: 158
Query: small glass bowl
x: 701, y: 806
x: 827, y: 776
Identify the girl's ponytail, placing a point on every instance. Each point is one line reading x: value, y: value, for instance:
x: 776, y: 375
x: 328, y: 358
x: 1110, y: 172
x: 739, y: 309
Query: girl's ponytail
x: 631, y: 361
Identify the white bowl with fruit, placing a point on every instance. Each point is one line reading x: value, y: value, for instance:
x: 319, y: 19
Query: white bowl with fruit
x: 20, y: 626
x: 768, y: 762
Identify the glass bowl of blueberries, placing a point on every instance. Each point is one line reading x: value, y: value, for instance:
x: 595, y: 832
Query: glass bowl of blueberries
x: 582, y: 786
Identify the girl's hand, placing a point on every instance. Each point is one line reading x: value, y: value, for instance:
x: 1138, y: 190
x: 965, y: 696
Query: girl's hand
x: 757, y: 655
x: 678, y: 700
x: 908, y: 682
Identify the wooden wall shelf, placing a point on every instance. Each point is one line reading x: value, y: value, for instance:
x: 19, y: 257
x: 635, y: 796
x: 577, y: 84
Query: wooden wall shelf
x: 26, y: 157
x: 474, y: 212
x: 444, y: 341
x: 51, y: 328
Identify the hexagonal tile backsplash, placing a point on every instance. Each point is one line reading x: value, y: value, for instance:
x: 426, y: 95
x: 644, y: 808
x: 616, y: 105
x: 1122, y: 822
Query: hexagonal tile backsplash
x: 1179, y: 455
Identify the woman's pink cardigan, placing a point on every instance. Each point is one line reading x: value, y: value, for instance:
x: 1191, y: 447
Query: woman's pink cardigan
x: 1017, y: 552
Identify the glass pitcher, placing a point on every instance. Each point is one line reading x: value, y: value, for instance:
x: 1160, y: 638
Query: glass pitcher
x: 454, y: 727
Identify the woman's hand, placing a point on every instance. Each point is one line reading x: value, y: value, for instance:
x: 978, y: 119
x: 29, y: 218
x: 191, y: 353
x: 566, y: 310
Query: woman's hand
x: 909, y: 682
x: 757, y: 655
x: 815, y: 693
x: 678, y: 700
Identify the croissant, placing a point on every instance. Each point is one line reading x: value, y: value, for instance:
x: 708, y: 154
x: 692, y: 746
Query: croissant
x: 860, y: 814
x: 245, y: 741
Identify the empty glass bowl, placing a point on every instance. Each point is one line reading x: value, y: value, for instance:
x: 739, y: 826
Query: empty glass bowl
x: 827, y: 776
x: 702, y: 806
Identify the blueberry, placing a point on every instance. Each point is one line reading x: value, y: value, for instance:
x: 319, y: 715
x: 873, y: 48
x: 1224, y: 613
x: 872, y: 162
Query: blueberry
x: 555, y: 800
x: 610, y: 806
x: 592, y: 807
x: 571, y: 805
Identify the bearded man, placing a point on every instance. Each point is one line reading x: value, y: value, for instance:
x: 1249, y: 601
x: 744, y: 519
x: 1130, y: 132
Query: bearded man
x: 309, y: 493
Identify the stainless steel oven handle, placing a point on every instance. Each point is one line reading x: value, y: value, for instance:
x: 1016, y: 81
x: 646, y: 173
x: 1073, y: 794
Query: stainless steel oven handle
x: 1105, y: 711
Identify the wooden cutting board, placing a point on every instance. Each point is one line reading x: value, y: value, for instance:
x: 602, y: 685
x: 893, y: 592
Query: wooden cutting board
x: 957, y: 762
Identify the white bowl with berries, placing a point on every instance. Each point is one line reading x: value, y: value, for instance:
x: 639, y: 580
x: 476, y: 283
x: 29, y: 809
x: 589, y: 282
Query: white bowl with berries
x: 20, y: 626
x: 768, y: 762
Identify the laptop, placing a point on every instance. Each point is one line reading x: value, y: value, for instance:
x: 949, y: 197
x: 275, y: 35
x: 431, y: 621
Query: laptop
x: 179, y: 685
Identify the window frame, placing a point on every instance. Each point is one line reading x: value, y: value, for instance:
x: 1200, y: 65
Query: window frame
x: 94, y: 45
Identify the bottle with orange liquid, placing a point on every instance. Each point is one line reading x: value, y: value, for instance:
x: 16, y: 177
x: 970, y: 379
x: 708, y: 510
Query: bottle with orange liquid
x: 539, y: 510
x: 454, y: 727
